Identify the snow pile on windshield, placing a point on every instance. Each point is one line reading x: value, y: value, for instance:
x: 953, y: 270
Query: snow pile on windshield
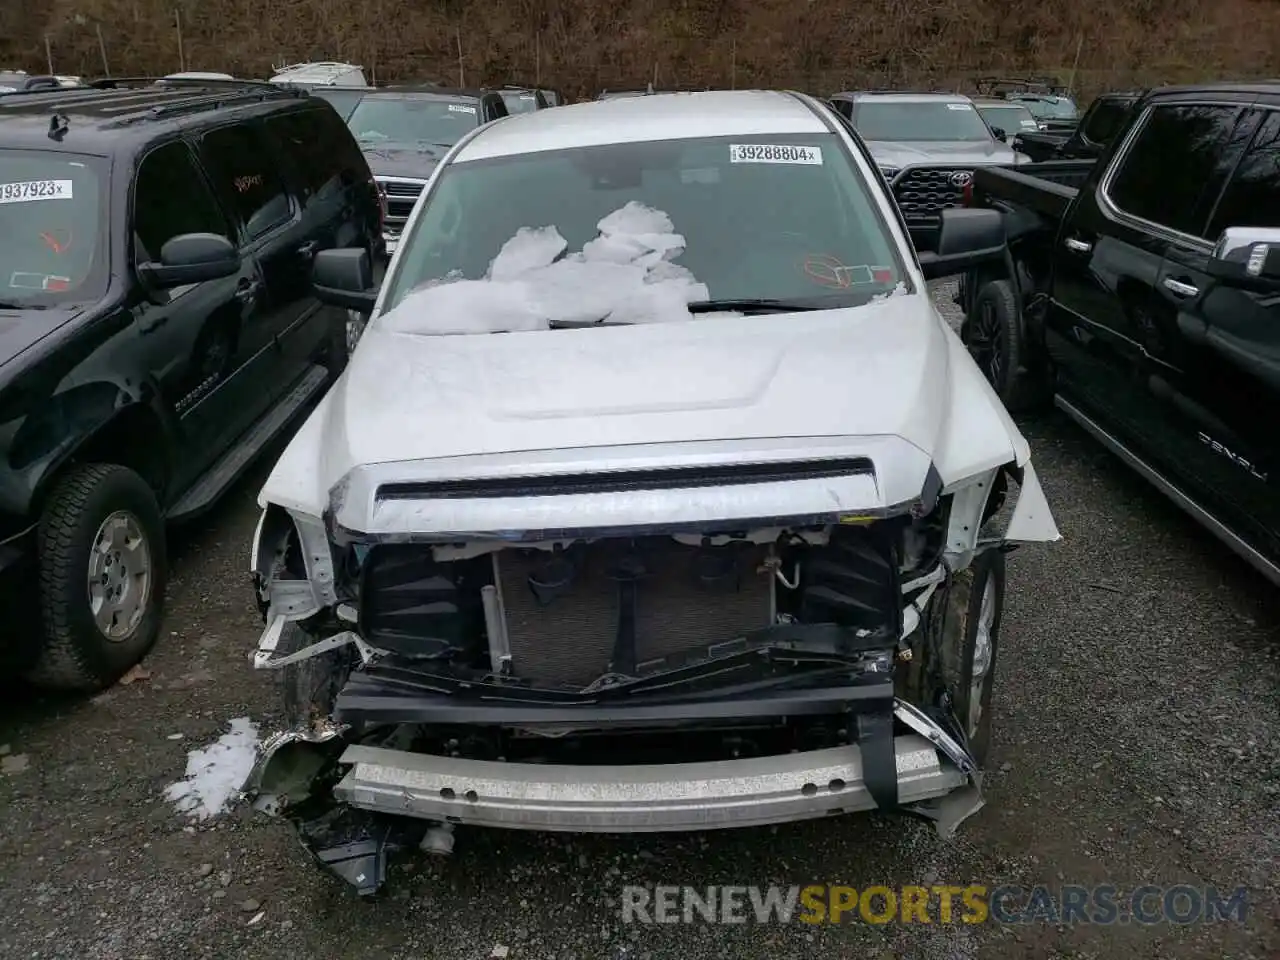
x: 625, y: 275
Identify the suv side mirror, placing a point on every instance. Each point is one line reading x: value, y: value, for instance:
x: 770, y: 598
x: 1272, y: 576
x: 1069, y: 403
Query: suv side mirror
x: 999, y: 133
x: 967, y: 237
x: 191, y: 258
x: 1247, y: 257
x: 344, y: 278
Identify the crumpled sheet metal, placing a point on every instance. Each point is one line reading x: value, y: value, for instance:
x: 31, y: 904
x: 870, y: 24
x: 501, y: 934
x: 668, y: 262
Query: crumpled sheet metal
x: 283, y: 776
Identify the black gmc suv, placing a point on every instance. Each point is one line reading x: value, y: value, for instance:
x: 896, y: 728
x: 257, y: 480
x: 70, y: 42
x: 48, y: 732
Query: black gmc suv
x: 1142, y: 295
x: 157, y: 331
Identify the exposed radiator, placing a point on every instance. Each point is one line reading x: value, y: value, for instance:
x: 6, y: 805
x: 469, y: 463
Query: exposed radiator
x: 570, y: 640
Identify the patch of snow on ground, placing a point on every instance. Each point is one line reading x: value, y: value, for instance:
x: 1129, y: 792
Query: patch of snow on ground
x: 625, y: 275
x: 216, y: 773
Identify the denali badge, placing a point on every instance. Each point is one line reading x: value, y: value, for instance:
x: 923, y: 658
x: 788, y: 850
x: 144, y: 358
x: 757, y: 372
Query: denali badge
x: 961, y: 178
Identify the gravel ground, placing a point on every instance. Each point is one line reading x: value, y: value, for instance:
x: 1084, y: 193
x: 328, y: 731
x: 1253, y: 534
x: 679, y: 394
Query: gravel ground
x: 1137, y: 727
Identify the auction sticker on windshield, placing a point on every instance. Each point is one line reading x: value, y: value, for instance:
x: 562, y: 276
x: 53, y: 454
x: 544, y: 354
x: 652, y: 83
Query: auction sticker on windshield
x: 774, y: 153
x: 28, y: 190
x: 959, y: 106
x: 461, y: 108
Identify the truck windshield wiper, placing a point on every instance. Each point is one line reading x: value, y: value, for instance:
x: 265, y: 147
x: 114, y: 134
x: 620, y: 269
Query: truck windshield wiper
x: 754, y: 306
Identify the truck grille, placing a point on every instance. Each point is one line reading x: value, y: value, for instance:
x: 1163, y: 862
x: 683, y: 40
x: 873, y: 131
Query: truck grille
x: 402, y: 193
x: 570, y: 639
x: 924, y: 192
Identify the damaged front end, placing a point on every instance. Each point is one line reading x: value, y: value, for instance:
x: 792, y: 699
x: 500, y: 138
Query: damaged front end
x: 660, y: 671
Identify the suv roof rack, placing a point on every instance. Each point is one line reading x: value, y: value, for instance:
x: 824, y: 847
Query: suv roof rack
x: 168, y: 100
x: 116, y: 83
x: 904, y: 90
x: 995, y: 86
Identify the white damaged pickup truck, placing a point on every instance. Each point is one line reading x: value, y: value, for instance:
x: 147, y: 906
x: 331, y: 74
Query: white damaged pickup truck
x: 656, y: 496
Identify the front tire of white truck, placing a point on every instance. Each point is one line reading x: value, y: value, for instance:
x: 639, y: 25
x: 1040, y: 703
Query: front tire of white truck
x: 955, y: 653
x: 309, y: 688
x: 976, y: 603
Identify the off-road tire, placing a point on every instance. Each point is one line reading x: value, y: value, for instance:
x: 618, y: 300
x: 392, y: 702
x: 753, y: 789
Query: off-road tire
x: 309, y: 688
x: 963, y: 609
x: 75, y: 655
x: 1019, y: 381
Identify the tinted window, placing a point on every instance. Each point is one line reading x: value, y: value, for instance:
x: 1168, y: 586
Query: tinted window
x: 919, y: 120
x: 519, y: 101
x: 171, y: 198
x: 1180, y: 161
x: 241, y: 163
x: 320, y: 148
x: 52, y: 227
x: 799, y: 224
x: 1048, y: 108
x: 342, y: 101
x: 429, y: 121
x: 1252, y: 198
x: 1011, y: 118
x: 1106, y: 120
x: 844, y: 108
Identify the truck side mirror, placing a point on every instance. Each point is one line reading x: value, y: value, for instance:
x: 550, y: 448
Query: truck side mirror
x: 1247, y: 257
x: 967, y: 237
x: 344, y: 278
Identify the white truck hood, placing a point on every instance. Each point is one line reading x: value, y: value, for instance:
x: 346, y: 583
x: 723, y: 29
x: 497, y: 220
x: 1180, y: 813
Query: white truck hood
x: 889, y: 381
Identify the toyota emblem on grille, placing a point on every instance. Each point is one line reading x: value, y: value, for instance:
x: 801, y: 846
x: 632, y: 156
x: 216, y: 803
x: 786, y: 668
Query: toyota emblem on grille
x: 961, y: 178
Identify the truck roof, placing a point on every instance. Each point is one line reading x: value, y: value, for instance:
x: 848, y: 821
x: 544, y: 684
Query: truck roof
x: 660, y: 116
x: 429, y: 91
x: 906, y: 96
x: 1264, y: 87
x: 95, y: 119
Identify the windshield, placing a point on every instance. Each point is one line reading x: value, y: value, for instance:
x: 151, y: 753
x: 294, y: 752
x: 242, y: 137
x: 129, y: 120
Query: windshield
x: 408, y: 119
x: 919, y: 120
x: 519, y: 101
x: 634, y: 232
x: 1057, y: 108
x: 1011, y: 118
x: 52, y: 236
x: 343, y: 101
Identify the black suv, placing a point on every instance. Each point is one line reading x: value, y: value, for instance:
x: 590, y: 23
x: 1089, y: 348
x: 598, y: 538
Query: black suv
x: 404, y: 132
x: 157, y: 331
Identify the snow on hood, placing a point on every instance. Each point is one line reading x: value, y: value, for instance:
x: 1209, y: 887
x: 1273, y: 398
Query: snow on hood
x: 625, y: 275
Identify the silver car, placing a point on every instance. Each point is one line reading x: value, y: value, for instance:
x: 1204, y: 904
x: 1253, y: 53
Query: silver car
x: 926, y: 144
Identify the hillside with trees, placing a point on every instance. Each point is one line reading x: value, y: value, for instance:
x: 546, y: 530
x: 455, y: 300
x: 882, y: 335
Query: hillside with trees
x: 582, y: 46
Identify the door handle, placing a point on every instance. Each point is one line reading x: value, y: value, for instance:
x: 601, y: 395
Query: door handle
x: 1077, y: 246
x: 247, y: 290
x: 1180, y: 288
x: 308, y: 249
x: 153, y: 323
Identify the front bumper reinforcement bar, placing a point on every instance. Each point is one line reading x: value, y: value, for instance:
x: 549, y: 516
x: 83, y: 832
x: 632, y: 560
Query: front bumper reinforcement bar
x: 623, y: 799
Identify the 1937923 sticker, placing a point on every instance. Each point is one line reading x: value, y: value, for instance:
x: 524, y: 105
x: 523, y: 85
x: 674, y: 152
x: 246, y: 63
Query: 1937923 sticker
x: 775, y: 153
x: 27, y: 191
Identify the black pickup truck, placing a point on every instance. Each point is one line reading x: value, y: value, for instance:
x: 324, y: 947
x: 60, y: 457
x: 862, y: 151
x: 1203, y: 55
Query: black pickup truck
x: 1106, y: 116
x: 1145, y: 301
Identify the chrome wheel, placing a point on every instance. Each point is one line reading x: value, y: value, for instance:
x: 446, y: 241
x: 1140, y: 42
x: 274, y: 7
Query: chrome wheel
x: 355, y: 327
x: 119, y: 576
x: 982, y: 649
x: 984, y: 342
